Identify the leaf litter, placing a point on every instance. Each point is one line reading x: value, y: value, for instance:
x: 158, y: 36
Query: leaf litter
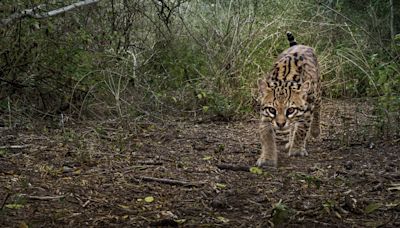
x: 170, y: 174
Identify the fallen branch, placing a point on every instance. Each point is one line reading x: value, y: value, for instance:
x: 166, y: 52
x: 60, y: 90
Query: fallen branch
x: 34, y: 14
x: 15, y: 147
x: 233, y: 167
x: 4, y: 201
x: 43, y: 197
x: 86, y: 203
x: 150, y: 163
x: 169, y: 181
x: 124, y: 170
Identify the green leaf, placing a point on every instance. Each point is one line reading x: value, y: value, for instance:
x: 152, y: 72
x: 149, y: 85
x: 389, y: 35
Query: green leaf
x: 149, y: 199
x: 372, y: 207
x: 397, y: 37
x: 205, y: 158
x: 221, y: 186
x: 256, y: 170
x: 14, y: 206
x: 222, y: 219
x: 3, y: 153
x: 220, y: 148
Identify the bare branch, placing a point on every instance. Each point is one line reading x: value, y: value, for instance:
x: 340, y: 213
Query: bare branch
x: 23, y: 13
x: 33, y: 13
x: 233, y: 167
x: 169, y: 181
x: 43, y: 197
x: 68, y: 8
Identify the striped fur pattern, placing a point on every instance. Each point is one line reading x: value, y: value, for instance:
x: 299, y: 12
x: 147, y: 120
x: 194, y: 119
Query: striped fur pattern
x: 290, y: 98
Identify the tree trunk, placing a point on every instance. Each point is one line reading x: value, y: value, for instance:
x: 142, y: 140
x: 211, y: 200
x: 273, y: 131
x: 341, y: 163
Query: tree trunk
x: 392, y: 32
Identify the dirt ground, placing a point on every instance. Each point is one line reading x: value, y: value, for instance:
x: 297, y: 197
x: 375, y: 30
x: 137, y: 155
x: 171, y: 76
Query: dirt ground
x: 172, y: 174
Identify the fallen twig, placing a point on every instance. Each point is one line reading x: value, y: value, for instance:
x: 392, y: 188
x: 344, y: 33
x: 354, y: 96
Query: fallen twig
x: 169, y: 181
x: 4, y: 201
x: 15, y: 146
x: 151, y: 162
x: 43, y: 197
x: 124, y: 170
x: 86, y: 203
x: 233, y: 167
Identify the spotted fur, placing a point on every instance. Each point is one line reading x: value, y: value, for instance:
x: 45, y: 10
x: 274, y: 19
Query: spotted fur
x: 290, y: 98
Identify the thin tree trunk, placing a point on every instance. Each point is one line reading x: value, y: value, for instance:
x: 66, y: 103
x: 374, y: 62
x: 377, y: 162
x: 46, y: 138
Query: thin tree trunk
x: 392, y: 32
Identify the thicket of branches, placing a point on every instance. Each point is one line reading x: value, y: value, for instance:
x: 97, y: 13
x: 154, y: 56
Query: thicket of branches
x: 117, y: 58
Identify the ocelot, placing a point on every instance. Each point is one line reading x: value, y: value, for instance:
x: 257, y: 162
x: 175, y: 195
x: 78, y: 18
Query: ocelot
x: 290, y: 100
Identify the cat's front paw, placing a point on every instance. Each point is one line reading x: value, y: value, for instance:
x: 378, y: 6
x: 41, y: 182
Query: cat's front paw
x: 298, y: 152
x: 261, y: 162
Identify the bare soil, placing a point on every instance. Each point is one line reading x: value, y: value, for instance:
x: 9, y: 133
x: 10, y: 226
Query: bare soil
x: 102, y: 175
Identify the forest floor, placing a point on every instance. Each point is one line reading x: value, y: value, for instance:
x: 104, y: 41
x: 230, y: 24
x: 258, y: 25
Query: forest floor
x: 101, y: 175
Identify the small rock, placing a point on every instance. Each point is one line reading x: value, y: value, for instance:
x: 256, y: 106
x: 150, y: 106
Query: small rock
x: 348, y: 165
x: 164, y: 223
x: 350, y: 203
x: 67, y: 169
x: 307, y: 205
x: 377, y: 187
x: 219, y: 201
x: 371, y: 145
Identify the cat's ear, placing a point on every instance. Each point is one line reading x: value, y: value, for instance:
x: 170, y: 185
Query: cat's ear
x: 263, y: 87
x: 305, y: 87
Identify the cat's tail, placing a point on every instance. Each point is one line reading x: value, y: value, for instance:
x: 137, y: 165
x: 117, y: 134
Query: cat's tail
x: 291, y: 39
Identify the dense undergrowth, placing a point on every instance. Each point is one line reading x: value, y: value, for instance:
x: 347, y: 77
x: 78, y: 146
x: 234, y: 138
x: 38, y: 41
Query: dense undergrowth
x: 147, y: 59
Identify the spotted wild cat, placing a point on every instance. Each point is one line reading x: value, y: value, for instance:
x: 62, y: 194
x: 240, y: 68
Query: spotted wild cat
x: 290, y: 99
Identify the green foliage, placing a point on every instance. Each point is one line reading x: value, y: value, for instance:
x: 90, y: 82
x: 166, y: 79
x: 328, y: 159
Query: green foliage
x: 256, y: 170
x: 329, y: 205
x: 220, y: 148
x: 280, y: 213
x: 130, y: 59
x: 309, y: 179
x: 372, y: 207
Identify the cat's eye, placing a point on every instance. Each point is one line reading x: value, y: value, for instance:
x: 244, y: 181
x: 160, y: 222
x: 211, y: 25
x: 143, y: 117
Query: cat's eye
x: 290, y: 111
x: 272, y: 110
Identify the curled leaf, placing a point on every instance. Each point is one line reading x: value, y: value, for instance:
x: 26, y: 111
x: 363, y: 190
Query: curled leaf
x: 123, y: 206
x: 149, y: 199
x: 14, y: 206
x: 221, y: 186
x: 222, y: 219
x: 256, y: 170
x: 372, y: 207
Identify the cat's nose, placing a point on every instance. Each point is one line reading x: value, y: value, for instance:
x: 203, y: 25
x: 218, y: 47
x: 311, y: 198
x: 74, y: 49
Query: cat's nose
x: 281, y: 124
